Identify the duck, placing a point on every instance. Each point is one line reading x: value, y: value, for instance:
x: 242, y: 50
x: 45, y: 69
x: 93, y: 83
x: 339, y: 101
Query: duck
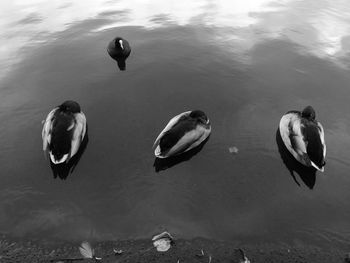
x: 63, y: 132
x: 119, y: 48
x: 184, y: 132
x: 303, y: 136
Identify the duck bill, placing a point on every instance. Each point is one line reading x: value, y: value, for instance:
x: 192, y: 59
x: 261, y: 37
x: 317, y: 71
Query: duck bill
x: 317, y: 168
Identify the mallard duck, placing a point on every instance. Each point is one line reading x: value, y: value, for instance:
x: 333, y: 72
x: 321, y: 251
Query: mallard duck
x: 183, y: 133
x: 119, y: 48
x: 64, y: 130
x: 304, y: 137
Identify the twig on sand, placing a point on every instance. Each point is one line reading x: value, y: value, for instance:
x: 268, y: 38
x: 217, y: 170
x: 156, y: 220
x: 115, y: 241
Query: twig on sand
x: 243, y: 258
x: 201, y: 254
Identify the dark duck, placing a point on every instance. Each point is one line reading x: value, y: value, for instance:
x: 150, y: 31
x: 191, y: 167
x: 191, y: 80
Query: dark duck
x: 183, y: 133
x: 303, y: 136
x: 63, y: 132
x: 119, y: 49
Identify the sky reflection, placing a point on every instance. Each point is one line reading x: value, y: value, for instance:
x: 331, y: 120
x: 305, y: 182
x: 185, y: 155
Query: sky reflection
x: 321, y: 28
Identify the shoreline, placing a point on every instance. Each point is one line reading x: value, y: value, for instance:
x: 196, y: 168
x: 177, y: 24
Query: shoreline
x: 183, y: 250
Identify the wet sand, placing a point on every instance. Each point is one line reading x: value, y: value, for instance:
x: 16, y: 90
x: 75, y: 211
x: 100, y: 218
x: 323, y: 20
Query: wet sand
x: 12, y: 250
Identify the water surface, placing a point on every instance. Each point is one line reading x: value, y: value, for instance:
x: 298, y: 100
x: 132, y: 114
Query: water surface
x: 244, y: 64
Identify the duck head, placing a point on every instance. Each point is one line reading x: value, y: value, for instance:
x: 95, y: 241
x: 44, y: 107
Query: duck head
x: 70, y: 106
x: 119, y: 43
x: 199, y: 116
x: 308, y: 113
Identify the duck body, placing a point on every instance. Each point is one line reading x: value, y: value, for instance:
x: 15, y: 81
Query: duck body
x: 63, y: 132
x: 303, y: 136
x: 119, y: 48
x: 183, y: 133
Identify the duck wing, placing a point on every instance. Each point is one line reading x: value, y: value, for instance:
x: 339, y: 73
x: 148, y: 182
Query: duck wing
x: 296, y: 137
x: 314, y: 138
x: 179, y: 137
x: 79, y: 130
x: 170, y: 124
x: 61, y: 137
x: 191, y: 139
x: 290, y: 130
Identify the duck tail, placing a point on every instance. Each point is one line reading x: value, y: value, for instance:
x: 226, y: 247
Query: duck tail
x: 55, y: 161
x: 321, y: 169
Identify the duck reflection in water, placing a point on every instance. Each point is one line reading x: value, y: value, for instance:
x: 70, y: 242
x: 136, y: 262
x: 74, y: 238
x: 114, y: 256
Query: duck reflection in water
x: 63, y: 170
x: 119, y: 49
x: 307, y: 174
x: 161, y: 164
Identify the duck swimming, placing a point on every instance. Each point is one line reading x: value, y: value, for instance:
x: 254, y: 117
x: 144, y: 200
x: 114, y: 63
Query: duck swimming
x: 64, y: 130
x: 183, y: 133
x: 303, y: 136
x: 119, y: 49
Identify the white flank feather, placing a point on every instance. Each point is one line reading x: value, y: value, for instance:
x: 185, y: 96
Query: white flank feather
x: 78, y: 132
x: 322, y: 138
x: 85, y: 250
x: 46, y: 132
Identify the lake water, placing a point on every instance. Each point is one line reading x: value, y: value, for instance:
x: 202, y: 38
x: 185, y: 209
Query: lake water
x: 244, y: 63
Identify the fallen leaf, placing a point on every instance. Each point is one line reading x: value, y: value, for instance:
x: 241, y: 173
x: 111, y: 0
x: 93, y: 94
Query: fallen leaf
x: 85, y: 250
x: 163, y: 241
x: 162, y: 245
x: 233, y: 150
x: 117, y: 251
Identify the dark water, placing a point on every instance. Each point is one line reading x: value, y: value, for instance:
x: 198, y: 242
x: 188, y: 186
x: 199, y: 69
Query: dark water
x: 244, y: 65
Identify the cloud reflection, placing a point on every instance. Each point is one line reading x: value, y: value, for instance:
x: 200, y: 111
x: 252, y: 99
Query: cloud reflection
x: 321, y: 28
